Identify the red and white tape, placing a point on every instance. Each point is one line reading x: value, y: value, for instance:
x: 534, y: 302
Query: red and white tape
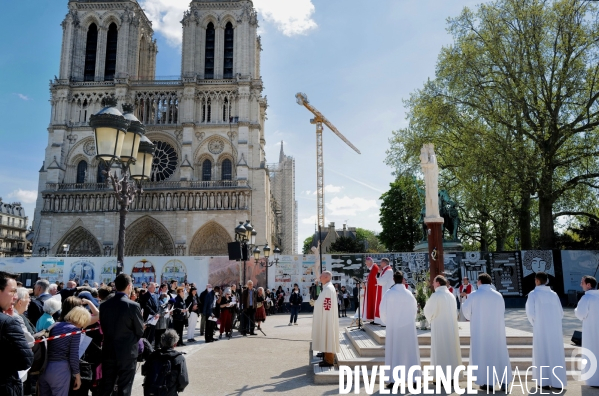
x: 65, y: 335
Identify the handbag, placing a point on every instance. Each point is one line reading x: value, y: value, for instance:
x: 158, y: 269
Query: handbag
x: 259, y: 305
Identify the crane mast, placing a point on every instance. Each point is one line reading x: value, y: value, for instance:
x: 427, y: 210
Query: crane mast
x: 318, y: 120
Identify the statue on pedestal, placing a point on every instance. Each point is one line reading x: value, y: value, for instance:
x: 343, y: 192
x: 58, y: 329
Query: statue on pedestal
x: 428, y: 161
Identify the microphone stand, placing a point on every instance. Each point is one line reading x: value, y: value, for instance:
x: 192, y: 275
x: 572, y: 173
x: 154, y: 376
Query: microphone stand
x: 359, y: 282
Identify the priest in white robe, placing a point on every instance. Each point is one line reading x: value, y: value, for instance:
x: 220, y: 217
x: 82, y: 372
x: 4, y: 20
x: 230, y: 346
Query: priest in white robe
x: 384, y: 283
x: 440, y: 310
x: 544, y: 312
x: 588, y: 311
x: 485, y: 309
x: 325, y: 323
x: 398, y: 310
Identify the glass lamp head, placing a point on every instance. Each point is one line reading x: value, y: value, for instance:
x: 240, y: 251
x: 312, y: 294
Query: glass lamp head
x: 141, y: 169
x: 110, y: 128
x: 132, y: 138
x: 256, y: 253
x: 266, y: 250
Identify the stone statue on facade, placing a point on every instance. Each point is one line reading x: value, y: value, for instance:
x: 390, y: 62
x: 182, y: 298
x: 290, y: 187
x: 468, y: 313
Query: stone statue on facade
x: 428, y: 161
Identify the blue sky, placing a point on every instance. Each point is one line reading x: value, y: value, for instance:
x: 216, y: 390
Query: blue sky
x: 355, y: 60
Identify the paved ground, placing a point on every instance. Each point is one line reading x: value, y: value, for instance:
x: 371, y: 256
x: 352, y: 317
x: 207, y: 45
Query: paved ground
x: 278, y: 362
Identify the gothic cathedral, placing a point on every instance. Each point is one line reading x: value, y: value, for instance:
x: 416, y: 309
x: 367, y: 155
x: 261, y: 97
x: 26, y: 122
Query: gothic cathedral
x: 209, y: 171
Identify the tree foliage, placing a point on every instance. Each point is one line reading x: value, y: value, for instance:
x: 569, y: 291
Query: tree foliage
x: 399, y: 214
x: 307, y: 245
x: 347, y: 245
x: 370, y: 240
x: 513, y: 112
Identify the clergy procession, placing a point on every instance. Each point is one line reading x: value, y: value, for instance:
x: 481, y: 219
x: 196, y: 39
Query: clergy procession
x: 389, y: 304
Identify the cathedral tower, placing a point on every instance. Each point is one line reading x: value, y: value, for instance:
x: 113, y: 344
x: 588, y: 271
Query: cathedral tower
x: 209, y: 171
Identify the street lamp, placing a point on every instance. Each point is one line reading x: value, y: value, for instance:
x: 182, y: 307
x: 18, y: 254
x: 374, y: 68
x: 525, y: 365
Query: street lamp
x: 246, y: 235
x: 119, y: 140
x: 266, y: 262
x: 66, y: 248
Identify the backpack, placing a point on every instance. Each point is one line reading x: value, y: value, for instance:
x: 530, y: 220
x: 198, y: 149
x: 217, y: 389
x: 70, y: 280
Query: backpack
x: 40, y: 353
x: 160, y: 374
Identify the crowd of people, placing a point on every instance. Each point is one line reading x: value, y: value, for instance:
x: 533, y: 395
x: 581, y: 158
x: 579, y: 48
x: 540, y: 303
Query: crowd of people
x: 121, y: 325
x: 81, y: 340
x: 393, y: 305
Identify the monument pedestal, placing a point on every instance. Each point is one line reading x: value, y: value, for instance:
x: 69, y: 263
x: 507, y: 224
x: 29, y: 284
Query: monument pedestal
x: 435, y: 246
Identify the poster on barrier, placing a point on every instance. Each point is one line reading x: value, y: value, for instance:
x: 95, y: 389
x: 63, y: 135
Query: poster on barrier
x: 505, y: 273
x: 143, y: 272
x: 83, y: 272
x: 576, y: 264
x: 174, y: 270
x: 52, y: 269
x: 108, y: 272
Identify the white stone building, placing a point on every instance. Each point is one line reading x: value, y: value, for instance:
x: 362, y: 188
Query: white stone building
x: 209, y: 171
x: 13, y: 230
x: 282, y: 175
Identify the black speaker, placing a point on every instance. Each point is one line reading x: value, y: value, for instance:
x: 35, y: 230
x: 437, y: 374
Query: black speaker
x: 234, y: 250
x: 577, y: 338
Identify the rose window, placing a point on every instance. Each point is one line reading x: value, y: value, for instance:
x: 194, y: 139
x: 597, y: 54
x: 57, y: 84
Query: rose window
x: 165, y: 161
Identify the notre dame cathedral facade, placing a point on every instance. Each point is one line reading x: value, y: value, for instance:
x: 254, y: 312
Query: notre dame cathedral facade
x: 209, y: 170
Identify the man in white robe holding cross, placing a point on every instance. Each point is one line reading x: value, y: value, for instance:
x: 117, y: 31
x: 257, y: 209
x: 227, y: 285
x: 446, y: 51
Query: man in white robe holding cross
x: 325, y: 323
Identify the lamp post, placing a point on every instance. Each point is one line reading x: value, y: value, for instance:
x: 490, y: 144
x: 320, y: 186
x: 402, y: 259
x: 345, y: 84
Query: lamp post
x: 120, y: 140
x: 246, y: 235
x: 66, y: 248
x: 267, y: 263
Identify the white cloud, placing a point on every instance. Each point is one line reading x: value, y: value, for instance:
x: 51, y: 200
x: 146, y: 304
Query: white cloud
x: 23, y: 97
x: 24, y: 196
x: 290, y: 17
x: 332, y: 189
x: 309, y: 220
x: 347, y: 206
x: 166, y: 16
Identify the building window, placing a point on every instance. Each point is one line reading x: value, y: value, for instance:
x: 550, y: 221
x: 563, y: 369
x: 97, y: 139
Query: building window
x: 206, y: 170
x: 101, y: 178
x: 228, y: 70
x: 90, y: 53
x: 207, y: 111
x: 165, y: 161
x: 226, y: 170
x: 209, y: 64
x: 111, y: 44
x: 226, y: 110
x: 81, y: 171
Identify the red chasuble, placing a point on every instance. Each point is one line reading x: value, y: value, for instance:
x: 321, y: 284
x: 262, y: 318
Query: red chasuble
x: 369, y: 304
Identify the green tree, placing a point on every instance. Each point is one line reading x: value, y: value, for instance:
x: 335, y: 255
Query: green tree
x: 399, y: 214
x: 514, y: 112
x: 371, y: 240
x: 347, y: 245
x: 307, y: 245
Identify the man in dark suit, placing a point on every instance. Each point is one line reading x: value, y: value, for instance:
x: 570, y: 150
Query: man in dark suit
x: 149, y: 304
x: 69, y: 290
x: 17, y: 354
x: 36, y: 306
x: 249, y: 303
x: 122, y: 326
x: 207, y: 312
x: 201, y: 308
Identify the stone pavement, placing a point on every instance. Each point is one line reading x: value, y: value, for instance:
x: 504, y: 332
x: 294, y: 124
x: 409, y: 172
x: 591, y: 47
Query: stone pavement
x: 278, y: 362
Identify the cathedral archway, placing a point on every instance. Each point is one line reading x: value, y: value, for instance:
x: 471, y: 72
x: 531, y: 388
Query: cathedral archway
x: 148, y: 237
x: 82, y: 243
x: 210, y: 240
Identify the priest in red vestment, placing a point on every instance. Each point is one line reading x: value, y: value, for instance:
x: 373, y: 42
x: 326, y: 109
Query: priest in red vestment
x: 465, y: 289
x: 369, y: 305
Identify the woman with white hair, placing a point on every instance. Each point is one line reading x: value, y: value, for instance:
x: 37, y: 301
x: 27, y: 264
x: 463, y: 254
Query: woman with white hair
x: 51, y: 306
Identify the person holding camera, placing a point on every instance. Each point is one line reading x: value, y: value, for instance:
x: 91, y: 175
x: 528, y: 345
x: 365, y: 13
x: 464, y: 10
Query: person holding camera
x: 295, y: 303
